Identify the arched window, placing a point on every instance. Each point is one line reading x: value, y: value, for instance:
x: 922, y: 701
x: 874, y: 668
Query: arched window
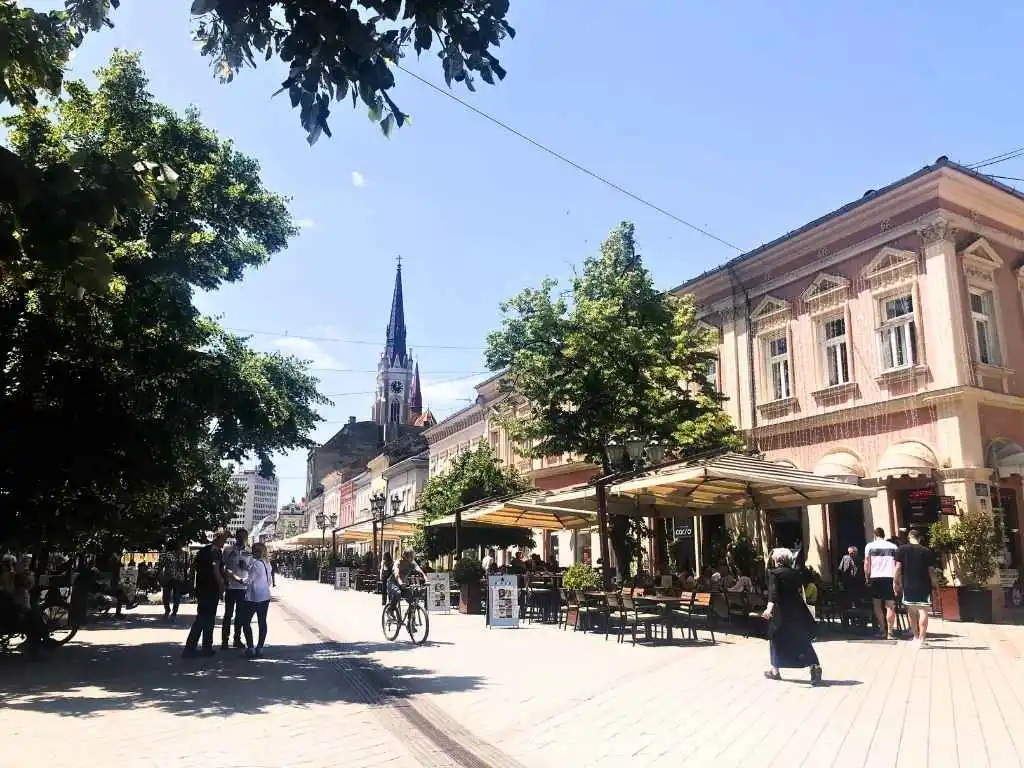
x: 396, y: 411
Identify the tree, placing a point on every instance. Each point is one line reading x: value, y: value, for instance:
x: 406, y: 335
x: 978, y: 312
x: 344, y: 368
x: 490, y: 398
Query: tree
x: 50, y: 212
x: 618, y: 356
x: 473, y: 476
x: 120, y: 407
x: 333, y: 49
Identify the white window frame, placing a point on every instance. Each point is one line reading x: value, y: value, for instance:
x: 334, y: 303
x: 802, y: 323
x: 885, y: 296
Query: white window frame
x: 785, y: 363
x: 844, y: 369
x: 990, y: 321
x: 713, y: 373
x: 907, y: 325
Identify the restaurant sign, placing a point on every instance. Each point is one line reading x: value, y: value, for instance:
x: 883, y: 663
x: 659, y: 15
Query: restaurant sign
x: 439, y: 593
x: 503, y: 601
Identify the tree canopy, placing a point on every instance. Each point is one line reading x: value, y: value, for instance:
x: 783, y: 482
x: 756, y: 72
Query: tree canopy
x: 610, y: 356
x: 473, y: 476
x: 120, y: 407
x: 333, y: 49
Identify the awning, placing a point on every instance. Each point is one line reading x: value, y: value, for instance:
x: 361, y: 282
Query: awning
x: 909, y: 458
x: 1007, y: 457
x: 533, y: 509
x: 733, y: 482
x: 840, y: 463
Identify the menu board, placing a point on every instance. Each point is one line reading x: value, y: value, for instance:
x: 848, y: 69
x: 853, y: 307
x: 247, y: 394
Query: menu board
x: 342, y: 578
x: 503, y: 601
x: 439, y: 592
x: 925, y: 502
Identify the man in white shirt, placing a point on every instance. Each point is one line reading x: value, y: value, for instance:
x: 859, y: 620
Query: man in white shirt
x: 879, y: 571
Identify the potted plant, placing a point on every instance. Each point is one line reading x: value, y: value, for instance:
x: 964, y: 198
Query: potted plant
x: 467, y: 573
x: 580, y: 577
x: 973, y: 546
x: 944, y: 597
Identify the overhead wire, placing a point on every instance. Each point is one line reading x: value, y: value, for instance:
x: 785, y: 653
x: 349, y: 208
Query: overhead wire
x: 572, y: 163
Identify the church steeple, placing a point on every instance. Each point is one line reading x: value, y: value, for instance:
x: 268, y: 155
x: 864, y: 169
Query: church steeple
x: 416, y: 393
x: 394, y: 350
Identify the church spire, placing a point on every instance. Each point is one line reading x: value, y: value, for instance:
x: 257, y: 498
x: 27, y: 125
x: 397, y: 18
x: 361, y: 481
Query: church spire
x: 416, y: 393
x: 395, y: 349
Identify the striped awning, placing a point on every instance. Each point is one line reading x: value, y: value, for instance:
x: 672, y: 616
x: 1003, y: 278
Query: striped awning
x: 732, y: 482
x: 526, y: 510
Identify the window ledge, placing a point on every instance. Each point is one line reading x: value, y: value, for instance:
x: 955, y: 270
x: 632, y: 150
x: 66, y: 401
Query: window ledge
x: 837, y: 391
x: 992, y: 371
x: 777, y: 407
x: 901, y: 374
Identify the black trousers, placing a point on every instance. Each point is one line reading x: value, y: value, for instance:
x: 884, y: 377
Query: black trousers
x: 206, y: 617
x: 234, y: 599
x: 249, y: 609
x: 172, y: 597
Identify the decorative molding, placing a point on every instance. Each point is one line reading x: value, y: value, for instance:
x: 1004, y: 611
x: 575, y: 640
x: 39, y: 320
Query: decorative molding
x: 773, y: 409
x: 936, y: 231
x: 890, y: 267
x: 901, y: 375
x: 826, y: 292
x: 980, y: 262
x: 836, y: 393
x: 771, y: 314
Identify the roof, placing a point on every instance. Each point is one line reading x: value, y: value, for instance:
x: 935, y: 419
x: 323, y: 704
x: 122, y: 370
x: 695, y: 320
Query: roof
x: 866, y: 198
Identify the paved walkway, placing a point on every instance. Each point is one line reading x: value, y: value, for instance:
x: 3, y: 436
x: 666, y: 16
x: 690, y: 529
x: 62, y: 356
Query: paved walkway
x: 332, y: 692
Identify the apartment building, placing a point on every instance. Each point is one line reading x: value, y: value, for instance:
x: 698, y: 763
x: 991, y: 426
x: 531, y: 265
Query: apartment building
x: 260, y: 498
x: 883, y: 343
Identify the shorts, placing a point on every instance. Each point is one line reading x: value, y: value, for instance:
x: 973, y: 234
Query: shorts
x: 917, y: 600
x: 881, y: 589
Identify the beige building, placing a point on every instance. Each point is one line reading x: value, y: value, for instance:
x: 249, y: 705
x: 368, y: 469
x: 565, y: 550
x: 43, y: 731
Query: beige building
x: 883, y: 343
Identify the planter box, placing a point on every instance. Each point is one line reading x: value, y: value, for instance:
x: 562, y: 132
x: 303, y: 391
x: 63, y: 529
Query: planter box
x: 975, y: 604
x: 948, y: 603
x: 469, y: 599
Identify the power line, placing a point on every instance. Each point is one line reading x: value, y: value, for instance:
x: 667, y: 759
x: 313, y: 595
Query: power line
x: 996, y: 159
x: 557, y: 155
x: 426, y: 386
x: 374, y: 370
x: 287, y: 335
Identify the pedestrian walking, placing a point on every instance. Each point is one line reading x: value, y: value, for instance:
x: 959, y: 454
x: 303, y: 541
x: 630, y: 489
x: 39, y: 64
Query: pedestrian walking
x: 790, y: 623
x: 257, y: 600
x: 236, y: 561
x: 172, y: 573
x: 207, y: 587
x: 913, y: 579
x: 879, y: 571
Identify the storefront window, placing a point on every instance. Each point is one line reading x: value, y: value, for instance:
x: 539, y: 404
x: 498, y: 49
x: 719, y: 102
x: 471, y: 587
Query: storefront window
x: 1004, y: 501
x: 916, y: 509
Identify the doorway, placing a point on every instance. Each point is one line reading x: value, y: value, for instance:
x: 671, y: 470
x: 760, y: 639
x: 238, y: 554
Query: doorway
x: 786, y: 527
x: 847, y: 529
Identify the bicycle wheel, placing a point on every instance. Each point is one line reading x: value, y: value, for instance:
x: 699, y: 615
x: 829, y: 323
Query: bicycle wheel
x: 418, y: 624
x: 390, y: 622
x: 59, y: 626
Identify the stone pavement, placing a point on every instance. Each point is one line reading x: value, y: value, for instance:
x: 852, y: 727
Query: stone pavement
x: 333, y: 692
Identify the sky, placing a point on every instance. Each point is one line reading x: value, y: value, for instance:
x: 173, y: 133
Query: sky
x: 744, y: 119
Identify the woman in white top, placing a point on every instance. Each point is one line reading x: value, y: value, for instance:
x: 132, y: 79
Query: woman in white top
x: 257, y: 601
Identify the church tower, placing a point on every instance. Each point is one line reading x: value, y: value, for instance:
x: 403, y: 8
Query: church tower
x: 395, y: 401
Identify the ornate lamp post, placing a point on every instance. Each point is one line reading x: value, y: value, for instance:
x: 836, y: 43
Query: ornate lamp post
x: 378, y: 502
x: 323, y: 522
x: 624, y: 458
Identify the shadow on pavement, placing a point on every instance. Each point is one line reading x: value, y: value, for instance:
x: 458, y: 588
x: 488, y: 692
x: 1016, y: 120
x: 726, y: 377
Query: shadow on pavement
x: 86, y: 680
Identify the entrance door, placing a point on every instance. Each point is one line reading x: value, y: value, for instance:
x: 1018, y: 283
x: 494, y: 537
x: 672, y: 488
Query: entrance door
x: 787, y: 528
x: 847, y: 529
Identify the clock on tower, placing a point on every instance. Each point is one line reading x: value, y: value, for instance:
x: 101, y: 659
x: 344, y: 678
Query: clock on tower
x: 396, y: 387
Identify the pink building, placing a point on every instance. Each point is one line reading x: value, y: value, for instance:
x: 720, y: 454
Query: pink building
x: 884, y: 343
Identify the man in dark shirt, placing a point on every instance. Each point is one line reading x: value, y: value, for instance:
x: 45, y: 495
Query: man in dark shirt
x: 209, y: 586
x: 915, y: 574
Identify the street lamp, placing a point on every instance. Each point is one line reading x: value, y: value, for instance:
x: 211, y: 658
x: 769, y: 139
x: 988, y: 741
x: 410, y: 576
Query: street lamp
x: 323, y: 522
x: 378, y: 502
x: 625, y: 457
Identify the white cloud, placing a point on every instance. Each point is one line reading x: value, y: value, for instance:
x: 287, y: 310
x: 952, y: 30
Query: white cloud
x: 304, y: 349
x: 448, y: 395
x: 304, y: 223
x: 358, y: 180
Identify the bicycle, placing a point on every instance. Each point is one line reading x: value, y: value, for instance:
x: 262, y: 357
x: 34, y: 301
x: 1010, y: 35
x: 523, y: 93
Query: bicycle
x: 415, y: 618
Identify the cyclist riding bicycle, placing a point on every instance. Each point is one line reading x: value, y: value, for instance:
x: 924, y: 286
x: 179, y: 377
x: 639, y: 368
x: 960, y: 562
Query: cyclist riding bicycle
x: 398, y: 584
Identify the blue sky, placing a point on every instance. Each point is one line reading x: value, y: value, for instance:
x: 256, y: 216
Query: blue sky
x: 744, y: 119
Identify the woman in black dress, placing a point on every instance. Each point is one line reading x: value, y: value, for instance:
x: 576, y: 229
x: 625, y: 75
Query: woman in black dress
x: 790, y: 623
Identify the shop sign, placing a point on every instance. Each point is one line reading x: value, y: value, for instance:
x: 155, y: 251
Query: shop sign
x: 503, y: 601
x: 439, y: 593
